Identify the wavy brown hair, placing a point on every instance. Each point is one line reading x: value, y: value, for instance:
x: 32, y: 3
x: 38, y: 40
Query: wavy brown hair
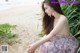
x: 48, y: 22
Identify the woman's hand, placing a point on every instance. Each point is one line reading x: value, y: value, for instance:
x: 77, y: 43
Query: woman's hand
x: 31, y: 48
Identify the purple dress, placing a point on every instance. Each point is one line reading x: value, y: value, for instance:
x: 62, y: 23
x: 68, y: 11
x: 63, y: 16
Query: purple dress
x: 60, y: 44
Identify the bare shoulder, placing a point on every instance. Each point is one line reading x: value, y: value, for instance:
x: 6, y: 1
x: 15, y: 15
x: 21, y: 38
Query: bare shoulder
x: 63, y: 17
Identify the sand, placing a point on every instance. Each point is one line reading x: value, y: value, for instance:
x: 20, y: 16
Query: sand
x: 28, y: 21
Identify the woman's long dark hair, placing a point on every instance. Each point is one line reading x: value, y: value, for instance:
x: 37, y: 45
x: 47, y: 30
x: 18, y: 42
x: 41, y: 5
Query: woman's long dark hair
x: 48, y: 21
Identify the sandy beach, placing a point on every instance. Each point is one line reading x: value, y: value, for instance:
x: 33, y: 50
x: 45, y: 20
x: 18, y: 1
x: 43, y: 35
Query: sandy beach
x: 28, y: 21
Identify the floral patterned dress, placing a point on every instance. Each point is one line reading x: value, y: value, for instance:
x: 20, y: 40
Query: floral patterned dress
x: 60, y: 44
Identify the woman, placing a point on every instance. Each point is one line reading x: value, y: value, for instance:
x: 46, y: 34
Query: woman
x: 57, y: 37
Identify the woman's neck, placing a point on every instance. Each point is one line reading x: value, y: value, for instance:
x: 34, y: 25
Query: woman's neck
x: 56, y: 15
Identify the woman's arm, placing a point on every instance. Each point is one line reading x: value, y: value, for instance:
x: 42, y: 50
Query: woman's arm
x: 57, y: 28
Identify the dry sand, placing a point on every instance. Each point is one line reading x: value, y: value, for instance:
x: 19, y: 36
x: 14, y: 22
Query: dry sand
x: 28, y: 21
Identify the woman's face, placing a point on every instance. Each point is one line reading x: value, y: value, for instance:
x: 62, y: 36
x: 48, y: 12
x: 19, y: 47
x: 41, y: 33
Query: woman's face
x: 48, y: 9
